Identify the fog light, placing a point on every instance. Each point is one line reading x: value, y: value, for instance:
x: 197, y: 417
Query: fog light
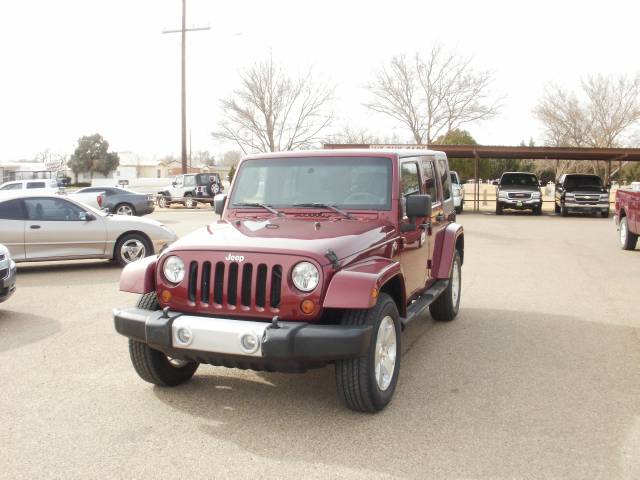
x: 307, y: 307
x: 249, y: 342
x: 184, y: 335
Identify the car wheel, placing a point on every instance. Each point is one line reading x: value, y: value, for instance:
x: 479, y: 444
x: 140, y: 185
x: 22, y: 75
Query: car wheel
x: 154, y: 366
x: 125, y: 209
x: 446, y: 307
x: 563, y: 210
x: 556, y: 207
x: 132, y: 247
x: 537, y: 210
x: 498, y: 209
x: 162, y: 201
x: 604, y: 214
x: 628, y: 240
x: 189, y: 202
x: 367, y: 383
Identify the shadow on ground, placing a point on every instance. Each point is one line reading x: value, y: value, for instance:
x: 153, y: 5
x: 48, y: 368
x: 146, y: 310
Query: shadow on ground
x: 489, y: 395
x: 19, y: 329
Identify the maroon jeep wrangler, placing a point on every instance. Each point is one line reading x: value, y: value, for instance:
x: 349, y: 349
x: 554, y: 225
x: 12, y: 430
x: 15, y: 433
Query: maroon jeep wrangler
x: 318, y: 258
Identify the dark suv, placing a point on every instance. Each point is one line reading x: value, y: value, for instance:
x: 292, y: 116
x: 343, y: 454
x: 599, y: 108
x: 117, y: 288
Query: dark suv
x: 318, y: 258
x: 577, y: 192
x: 519, y: 191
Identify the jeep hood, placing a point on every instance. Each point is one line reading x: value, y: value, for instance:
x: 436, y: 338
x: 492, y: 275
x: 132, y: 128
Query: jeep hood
x: 309, y: 238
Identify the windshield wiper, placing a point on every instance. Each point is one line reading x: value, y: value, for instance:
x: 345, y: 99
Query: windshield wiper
x: 323, y: 205
x: 261, y: 205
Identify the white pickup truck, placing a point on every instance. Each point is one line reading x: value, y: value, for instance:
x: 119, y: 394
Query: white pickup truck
x: 49, y: 186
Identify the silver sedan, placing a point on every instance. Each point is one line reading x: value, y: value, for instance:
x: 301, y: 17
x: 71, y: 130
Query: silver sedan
x: 50, y: 227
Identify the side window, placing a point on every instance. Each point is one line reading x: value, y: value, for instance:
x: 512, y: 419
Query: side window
x: 430, y: 182
x: 35, y: 185
x: 12, y: 210
x: 12, y: 186
x: 409, y: 180
x: 52, y: 210
x: 190, y: 181
x: 443, y: 168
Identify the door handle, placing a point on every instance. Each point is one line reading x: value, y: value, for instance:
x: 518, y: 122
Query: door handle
x: 34, y: 227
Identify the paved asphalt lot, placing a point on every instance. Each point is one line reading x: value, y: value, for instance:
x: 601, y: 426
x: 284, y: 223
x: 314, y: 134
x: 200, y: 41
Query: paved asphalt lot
x: 538, y: 377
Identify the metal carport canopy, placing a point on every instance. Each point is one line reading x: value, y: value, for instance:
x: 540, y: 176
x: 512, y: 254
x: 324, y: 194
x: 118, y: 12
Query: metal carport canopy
x: 533, y: 153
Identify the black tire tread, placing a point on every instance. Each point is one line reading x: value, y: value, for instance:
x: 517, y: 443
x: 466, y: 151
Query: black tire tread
x: 352, y: 375
x: 442, y: 310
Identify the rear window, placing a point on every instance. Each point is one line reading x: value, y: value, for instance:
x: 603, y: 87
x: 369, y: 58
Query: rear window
x: 35, y: 185
x: 519, y: 180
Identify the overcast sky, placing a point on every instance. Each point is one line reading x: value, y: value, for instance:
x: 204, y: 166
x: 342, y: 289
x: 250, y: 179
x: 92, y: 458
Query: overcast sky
x: 72, y: 68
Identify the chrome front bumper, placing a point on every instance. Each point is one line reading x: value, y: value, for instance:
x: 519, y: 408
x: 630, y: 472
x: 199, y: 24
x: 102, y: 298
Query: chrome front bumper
x: 219, y: 341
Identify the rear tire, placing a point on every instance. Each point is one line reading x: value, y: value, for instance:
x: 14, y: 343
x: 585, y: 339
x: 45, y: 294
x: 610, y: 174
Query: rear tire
x: 628, y: 240
x: 363, y: 383
x: 446, y: 307
x: 189, y: 202
x: 125, y: 209
x: 154, y: 366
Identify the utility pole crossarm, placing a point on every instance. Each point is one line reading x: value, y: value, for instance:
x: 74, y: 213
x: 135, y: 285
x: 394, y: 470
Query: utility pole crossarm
x: 183, y: 31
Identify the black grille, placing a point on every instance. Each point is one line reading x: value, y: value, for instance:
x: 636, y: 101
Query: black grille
x: 4, y: 273
x: 1, y: 256
x: 243, y: 284
x: 524, y: 196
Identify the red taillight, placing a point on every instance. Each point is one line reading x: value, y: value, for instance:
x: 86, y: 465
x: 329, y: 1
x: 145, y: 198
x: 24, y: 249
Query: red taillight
x: 100, y: 200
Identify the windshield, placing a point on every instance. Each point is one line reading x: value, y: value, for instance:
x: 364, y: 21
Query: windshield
x: 583, y: 181
x: 519, y: 180
x: 345, y: 182
x: 454, y: 178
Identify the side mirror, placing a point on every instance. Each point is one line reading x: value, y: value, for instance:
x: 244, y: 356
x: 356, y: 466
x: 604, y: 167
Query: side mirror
x: 174, y: 184
x: 218, y: 203
x: 87, y: 217
x: 418, y: 206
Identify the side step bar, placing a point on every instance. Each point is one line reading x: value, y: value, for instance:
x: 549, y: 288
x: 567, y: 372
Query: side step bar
x: 423, y: 301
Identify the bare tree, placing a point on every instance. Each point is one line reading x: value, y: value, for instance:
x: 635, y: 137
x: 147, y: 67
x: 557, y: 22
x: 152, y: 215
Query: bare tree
x: 433, y: 96
x: 601, y: 114
x: 350, y: 135
x: 272, y: 111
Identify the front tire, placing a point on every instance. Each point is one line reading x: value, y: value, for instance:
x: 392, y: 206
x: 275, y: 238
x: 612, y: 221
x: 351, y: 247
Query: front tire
x: 628, y: 239
x: 564, y: 211
x: 498, y: 208
x: 556, y: 207
x: 154, y: 366
x: 446, y: 307
x: 132, y: 247
x: 367, y: 383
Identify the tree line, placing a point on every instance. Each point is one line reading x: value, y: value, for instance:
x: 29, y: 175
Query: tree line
x: 433, y: 96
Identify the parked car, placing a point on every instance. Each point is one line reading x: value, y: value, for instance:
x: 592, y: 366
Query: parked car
x: 18, y: 186
x: 577, y: 192
x: 519, y: 191
x: 124, y: 202
x: 458, y: 192
x: 191, y: 189
x: 7, y: 274
x: 319, y: 258
x: 52, y: 227
x: 627, y: 217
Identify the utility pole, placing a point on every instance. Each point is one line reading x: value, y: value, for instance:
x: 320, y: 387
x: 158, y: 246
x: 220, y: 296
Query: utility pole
x: 184, y: 31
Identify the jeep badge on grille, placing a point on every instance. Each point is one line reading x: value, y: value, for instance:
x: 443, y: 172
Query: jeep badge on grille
x: 234, y: 258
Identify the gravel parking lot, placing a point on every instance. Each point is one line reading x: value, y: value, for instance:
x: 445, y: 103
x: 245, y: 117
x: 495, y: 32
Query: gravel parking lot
x: 538, y: 377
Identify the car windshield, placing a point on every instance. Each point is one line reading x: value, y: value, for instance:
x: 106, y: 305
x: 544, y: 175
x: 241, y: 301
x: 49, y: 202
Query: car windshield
x: 454, y: 178
x: 583, y: 181
x: 519, y: 180
x: 344, y: 182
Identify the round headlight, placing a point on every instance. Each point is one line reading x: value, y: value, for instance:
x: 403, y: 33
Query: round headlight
x: 173, y: 269
x: 305, y: 276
